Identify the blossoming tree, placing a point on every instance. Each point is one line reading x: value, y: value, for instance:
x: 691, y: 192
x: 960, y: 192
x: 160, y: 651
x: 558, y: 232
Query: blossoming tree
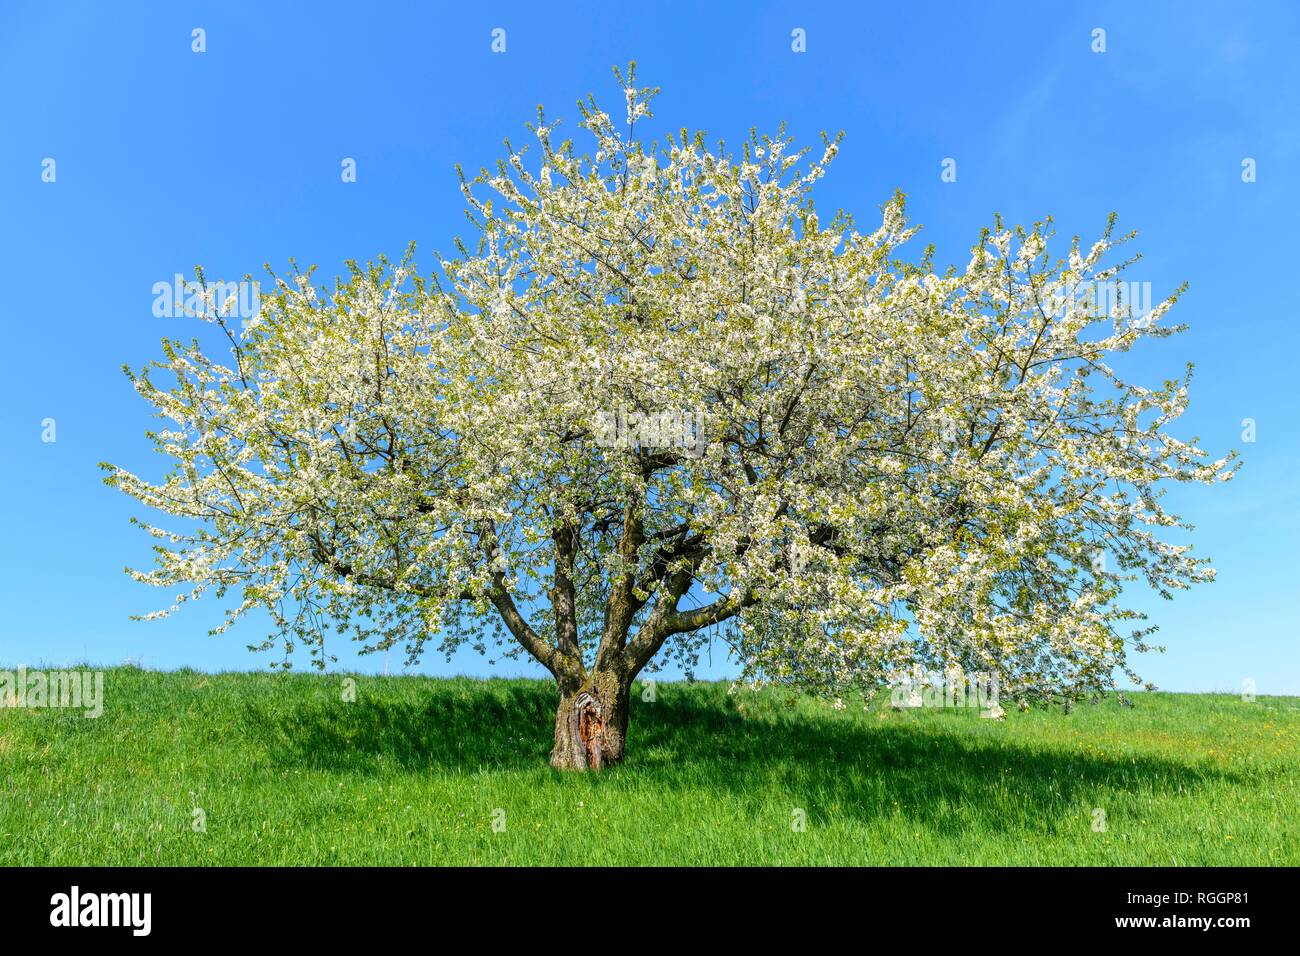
x: 658, y: 398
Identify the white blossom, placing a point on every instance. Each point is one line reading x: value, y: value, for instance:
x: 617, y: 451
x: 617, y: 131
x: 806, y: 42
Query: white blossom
x: 416, y: 459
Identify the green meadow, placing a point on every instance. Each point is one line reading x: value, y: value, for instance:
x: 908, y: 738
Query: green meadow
x: 244, y: 769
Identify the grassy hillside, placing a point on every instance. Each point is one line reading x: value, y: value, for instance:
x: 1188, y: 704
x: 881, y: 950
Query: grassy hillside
x: 285, y: 772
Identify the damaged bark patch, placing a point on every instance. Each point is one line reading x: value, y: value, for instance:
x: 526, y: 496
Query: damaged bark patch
x: 589, y: 728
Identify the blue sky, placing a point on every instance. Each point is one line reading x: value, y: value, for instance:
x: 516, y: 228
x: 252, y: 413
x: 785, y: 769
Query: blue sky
x: 231, y: 158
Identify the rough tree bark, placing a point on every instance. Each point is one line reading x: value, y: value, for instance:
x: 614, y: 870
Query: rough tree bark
x: 592, y: 717
x: 591, y: 721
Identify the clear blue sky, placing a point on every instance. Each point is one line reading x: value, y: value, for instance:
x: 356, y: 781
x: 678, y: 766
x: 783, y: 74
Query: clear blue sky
x: 231, y: 158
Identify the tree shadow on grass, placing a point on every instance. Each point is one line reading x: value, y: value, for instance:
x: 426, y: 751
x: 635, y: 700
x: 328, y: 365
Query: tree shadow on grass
x: 502, y: 726
x: 700, y: 742
x: 925, y: 771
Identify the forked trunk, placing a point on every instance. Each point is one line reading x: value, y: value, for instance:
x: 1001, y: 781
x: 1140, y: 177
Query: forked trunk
x: 591, y: 722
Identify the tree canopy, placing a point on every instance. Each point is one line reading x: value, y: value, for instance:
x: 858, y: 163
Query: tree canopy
x: 658, y: 393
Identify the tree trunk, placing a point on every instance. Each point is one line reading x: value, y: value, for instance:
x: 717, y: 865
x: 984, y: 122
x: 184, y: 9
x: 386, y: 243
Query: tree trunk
x: 591, y: 722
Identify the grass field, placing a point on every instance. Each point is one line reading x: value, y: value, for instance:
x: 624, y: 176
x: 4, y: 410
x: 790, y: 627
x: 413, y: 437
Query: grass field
x: 412, y: 772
